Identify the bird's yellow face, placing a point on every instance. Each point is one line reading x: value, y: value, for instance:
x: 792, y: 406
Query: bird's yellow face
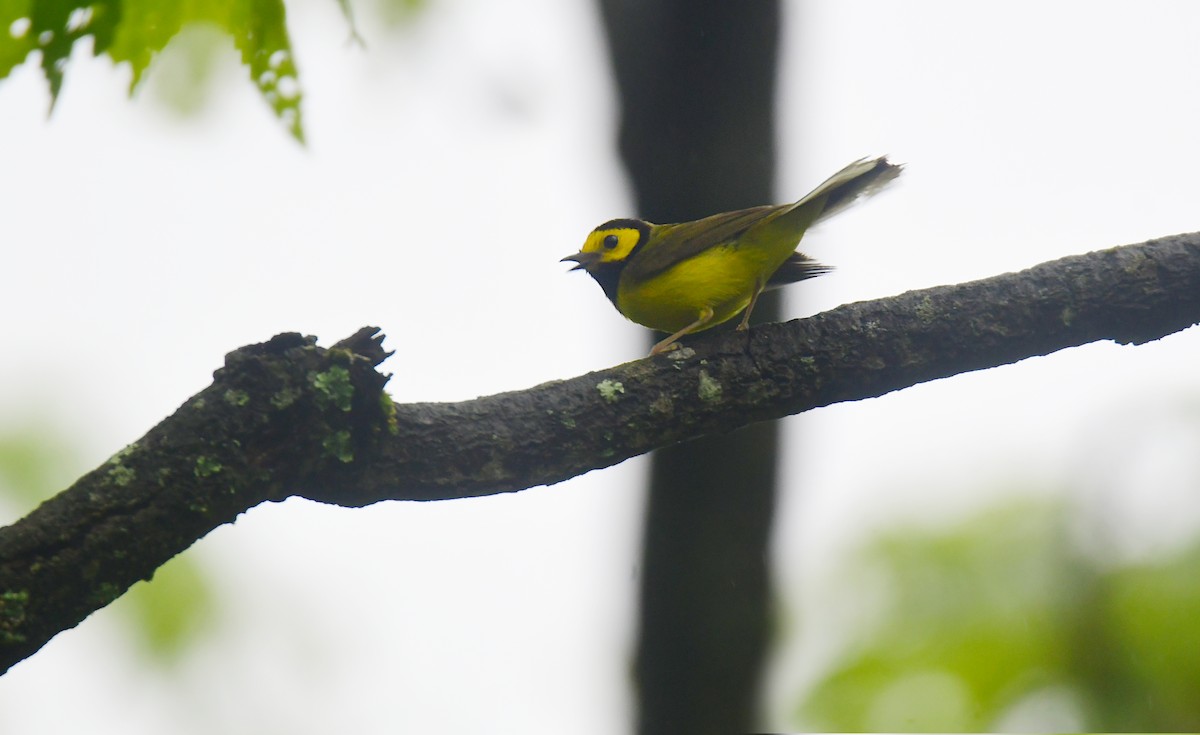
x: 610, y: 243
x: 613, y: 244
x: 607, y: 250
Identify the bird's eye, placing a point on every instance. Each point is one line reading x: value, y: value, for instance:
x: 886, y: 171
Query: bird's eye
x: 610, y: 242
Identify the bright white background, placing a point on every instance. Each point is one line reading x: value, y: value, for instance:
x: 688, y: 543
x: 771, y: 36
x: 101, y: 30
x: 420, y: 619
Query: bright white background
x: 449, y: 168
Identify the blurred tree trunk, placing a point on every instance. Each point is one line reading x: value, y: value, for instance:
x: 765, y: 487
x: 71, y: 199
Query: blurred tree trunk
x: 697, y: 87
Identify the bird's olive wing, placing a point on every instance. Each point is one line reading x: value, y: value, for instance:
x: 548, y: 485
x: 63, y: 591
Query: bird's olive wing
x: 671, y: 244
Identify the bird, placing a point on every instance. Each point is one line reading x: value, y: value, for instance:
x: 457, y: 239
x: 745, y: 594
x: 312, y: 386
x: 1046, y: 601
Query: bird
x: 686, y: 277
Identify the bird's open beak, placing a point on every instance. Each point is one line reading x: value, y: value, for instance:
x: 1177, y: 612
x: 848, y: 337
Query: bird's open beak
x: 581, y: 260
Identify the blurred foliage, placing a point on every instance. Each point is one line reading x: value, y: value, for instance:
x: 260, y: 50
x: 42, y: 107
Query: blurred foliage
x: 135, y: 31
x: 138, y: 31
x: 1141, y: 661
x: 184, y: 74
x: 34, y: 463
x: 398, y: 13
x: 165, y: 616
x: 171, y: 612
x: 999, y: 616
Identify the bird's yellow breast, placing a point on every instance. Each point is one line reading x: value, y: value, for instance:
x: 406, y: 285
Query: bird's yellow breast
x: 722, y: 278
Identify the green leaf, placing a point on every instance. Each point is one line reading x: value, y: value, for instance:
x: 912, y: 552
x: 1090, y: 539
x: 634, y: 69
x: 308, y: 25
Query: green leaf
x: 16, y: 34
x: 53, y: 27
x: 135, y: 31
x: 148, y: 26
x: 259, y: 31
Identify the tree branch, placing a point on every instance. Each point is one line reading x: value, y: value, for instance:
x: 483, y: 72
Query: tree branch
x: 289, y: 418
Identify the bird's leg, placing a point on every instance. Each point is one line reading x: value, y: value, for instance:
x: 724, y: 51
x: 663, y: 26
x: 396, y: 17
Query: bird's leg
x: 745, y: 323
x: 706, y: 315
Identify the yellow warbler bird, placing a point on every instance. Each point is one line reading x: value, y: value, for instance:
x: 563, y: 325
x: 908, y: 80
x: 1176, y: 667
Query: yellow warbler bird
x: 686, y: 277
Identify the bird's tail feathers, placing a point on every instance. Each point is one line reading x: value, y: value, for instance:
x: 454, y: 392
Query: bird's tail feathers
x: 859, y: 180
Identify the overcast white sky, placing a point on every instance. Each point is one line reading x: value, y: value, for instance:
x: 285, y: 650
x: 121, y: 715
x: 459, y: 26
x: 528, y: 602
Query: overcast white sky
x: 448, y: 170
